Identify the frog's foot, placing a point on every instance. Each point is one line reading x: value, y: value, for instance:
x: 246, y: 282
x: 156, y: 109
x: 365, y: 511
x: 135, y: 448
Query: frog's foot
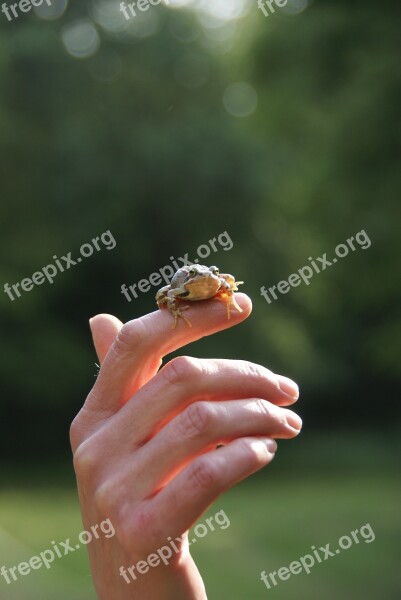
x: 235, y: 303
x: 161, y: 296
x: 232, y: 301
x: 176, y: 312
x: 229, y: 300
x: 161, y: 302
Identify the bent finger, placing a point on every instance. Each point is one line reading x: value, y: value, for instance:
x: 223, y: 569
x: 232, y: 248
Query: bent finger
x: 105, y: 329
x: 185, y: 380
x: 199, y: 429
x: 136, y: 354
x: 191, y: 493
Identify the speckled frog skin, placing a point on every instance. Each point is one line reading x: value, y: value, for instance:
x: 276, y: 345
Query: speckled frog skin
x: 194, y: 283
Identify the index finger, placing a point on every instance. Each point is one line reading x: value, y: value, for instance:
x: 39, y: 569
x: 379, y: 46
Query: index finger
x: 137, y: 352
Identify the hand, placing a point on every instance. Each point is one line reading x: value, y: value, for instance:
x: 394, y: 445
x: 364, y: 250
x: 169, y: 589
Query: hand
x: 145, y: 442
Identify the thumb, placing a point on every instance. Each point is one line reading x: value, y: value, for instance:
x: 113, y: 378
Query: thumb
x: 104, y: 330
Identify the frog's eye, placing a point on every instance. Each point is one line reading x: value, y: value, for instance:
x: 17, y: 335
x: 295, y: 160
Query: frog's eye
x: 193, y: 271
x: 214, y: 270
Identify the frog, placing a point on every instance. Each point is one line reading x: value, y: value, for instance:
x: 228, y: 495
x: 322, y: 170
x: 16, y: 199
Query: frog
x: 194, y: 283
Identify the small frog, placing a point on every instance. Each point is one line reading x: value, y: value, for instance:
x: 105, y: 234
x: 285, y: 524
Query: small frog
x: 197, y: 282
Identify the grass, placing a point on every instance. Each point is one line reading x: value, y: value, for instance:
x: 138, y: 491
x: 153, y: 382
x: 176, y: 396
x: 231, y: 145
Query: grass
x: 275, y: 518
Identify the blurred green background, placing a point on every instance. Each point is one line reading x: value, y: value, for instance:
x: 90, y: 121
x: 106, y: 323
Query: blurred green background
x: 167, y: 130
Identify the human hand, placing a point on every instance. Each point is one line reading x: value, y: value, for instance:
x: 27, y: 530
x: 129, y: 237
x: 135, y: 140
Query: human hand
x: 145, y: 442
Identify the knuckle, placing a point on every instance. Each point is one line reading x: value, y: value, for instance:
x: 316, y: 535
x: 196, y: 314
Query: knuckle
x: 282, y: 420
x: 130, y: 335
x: 256, y: 456
x: 197, y: 420
x: 259, y: 372
x: 263, y: 407
x: 85, y: 460
x: 204, y: 475
x: 272, y: 413
x: 104, y: 499
x: 182, y: 368
x: 250, y: 368
x: 78, y: 427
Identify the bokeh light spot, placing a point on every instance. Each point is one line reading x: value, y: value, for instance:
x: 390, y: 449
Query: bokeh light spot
x: 224, y: 10
x: 294, y: 7
x: 108, y: 16
x: 52, y: 12
x: 81, y: 38
x: 240, y: 99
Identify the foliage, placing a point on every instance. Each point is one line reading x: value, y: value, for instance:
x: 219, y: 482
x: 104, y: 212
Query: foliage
x: 162, y: 165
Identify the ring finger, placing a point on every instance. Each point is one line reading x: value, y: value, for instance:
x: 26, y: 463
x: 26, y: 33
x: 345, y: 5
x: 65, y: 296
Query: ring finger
x: 199, y: 428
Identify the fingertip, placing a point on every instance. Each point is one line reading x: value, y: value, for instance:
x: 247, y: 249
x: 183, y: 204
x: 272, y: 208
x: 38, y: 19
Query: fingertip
x: 288, y: 387
x: 105, y: 317
x: 293, y: 420
x: 104, y: 330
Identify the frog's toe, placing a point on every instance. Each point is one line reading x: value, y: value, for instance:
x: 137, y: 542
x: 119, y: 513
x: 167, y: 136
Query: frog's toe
x: 187, y: 321
x: 176, y: 312
x: 236, y: 305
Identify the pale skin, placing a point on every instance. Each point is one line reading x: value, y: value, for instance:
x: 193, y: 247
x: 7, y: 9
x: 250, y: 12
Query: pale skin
x: 145, y: 443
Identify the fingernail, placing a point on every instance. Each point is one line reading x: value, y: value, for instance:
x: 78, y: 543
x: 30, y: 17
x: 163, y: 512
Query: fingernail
x: 288, y: 386
x: 293, y: 420
x: 271, y: 445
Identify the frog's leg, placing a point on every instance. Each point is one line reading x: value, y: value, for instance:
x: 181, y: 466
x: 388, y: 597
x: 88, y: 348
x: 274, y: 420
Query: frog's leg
x: 226, y: 294
x: 229, y: 300
x: 171, y: 298
x: 167, y: 296
x: 232, y: 302
x: 161, y: 296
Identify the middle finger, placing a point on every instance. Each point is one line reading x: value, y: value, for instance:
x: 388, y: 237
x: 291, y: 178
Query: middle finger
x: 185, y: 380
